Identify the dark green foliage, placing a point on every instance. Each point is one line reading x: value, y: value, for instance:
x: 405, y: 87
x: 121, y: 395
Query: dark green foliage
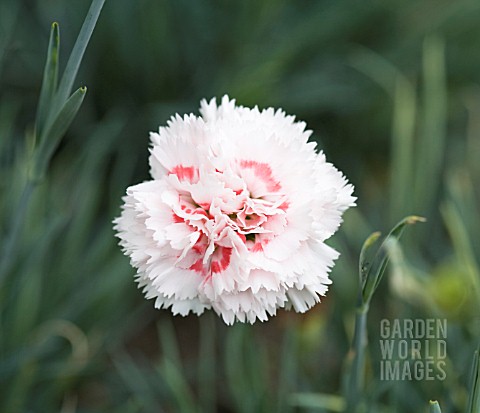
x: 390, y: 89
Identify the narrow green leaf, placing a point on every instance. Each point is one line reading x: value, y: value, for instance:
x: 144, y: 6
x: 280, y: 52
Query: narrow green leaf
x: 434, y: 407
x: 376, y: 67
x: 171, y: 369
x: 78, y: 51
x: 168, y: 341
x: 370, y: 276
x: 474, y: 397
x: 50, y: 78
x: 396, y: 233
x: 402, y: 152
x: 52, y: 136
x: 363, y: 265
x: 430, y: 148
x: 178, y: 386
x: 380, y: 262
x: 236, y: 369
x: 356, y: 374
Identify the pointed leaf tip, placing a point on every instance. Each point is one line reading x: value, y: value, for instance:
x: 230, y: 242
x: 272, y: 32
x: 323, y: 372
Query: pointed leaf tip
x: 372, y: 273
x: 434, y: 407
x: 372, y: 239
x: 413, y: 219
x: 49, y: 82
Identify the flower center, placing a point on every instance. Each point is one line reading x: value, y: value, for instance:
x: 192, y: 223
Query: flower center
x: 240, y: 208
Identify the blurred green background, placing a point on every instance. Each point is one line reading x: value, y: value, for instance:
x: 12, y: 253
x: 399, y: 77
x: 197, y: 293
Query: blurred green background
x: 391, y: 89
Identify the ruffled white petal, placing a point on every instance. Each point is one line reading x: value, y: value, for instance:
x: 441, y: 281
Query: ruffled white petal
x: 236, y: 215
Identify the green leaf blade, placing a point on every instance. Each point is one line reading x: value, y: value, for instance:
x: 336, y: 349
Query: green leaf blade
x: 474, y: 396
x: 50, y: 78
x: 50, y: 140
x: 78, y: 51
x: 373, y: 275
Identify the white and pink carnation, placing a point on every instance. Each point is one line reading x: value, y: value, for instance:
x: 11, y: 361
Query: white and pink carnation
x: 236, y: 215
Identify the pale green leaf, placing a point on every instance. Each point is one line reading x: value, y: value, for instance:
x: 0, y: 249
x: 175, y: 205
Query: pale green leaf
x: 52, y: 136
x: 50, y: 78
x: 78, y: 51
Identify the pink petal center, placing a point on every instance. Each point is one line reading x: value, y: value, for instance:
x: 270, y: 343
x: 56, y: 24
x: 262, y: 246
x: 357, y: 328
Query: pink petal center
x: 233, y: 218
x: 185, y: 173
x: 263, y: 172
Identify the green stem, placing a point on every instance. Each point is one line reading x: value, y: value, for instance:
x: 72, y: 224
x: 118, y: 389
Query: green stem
x: 356, y: 379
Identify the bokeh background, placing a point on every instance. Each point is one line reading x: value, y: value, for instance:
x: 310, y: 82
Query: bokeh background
x: 391, y: 89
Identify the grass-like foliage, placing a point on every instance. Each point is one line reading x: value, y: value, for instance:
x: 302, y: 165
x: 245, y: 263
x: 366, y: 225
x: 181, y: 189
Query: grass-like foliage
x: 391, y: 91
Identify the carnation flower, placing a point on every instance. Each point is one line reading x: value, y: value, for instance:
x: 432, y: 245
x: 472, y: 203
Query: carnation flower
x: 236, y: 215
